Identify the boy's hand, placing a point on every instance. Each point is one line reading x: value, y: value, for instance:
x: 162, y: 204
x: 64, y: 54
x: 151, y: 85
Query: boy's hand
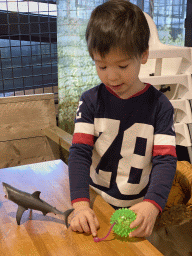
x: 146, y: 217
x: 84, y: 220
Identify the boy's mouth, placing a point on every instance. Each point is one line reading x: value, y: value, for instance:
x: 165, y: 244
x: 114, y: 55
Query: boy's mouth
x: 116, y: 86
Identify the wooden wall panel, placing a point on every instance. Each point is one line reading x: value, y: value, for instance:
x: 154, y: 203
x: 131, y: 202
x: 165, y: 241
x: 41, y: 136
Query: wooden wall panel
x: 22, y: 119
x: 27, y: 151
x: 25, y: 116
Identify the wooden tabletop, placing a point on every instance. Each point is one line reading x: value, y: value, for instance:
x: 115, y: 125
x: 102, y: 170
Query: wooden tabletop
x: 40, y: 235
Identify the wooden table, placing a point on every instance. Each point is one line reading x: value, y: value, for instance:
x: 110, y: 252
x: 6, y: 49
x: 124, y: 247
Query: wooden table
x: 47, y: 235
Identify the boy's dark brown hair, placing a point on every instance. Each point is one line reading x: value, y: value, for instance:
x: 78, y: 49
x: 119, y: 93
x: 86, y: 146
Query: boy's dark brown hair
x: 117, y: 24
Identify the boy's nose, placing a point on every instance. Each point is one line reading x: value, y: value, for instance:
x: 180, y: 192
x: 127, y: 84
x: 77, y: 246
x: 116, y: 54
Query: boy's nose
x: 113, y: 77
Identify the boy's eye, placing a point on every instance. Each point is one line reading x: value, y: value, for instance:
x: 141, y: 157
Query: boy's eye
x: 123, y: 67
x: 119, y: 66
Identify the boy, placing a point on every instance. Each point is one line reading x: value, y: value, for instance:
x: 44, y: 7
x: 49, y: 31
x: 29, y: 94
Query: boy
x: 124, y: 141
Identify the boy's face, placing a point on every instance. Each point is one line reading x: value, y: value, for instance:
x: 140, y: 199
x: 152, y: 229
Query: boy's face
x: 120, y: 73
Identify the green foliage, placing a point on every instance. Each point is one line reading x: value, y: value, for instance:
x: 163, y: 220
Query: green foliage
x: 76, y: 70
x: 166, y: 38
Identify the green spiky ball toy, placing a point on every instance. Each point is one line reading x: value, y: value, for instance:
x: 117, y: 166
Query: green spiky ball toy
x: 123, y: 218
x: 120, y: 220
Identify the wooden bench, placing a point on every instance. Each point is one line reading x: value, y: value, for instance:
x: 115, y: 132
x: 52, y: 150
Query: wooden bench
x: 28, y: 131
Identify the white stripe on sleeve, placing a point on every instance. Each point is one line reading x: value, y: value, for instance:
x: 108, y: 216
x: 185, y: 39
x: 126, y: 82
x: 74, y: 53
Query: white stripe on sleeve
x: 84, y: 128
x: 163, y: 139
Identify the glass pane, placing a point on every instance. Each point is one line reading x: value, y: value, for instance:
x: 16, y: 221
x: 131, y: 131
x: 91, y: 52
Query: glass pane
x: 169, y: 17
x: 74, y: 62
x: 28, y: 42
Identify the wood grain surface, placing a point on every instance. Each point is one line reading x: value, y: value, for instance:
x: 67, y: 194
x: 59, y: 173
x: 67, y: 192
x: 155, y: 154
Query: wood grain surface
x: 22, y: 120
x: 40, y: 235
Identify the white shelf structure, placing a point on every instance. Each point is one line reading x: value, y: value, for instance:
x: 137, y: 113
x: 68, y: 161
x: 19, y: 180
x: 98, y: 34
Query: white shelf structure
x: 171, y: 67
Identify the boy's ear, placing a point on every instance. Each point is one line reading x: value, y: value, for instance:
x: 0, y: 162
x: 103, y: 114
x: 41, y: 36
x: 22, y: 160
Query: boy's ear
x: 144, y: 57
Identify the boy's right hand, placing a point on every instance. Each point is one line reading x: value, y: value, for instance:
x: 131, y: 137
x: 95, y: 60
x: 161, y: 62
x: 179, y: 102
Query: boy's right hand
x: 84, y: 219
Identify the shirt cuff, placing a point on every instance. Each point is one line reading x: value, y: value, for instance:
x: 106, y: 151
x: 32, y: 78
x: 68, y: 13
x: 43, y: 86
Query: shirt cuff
x: 79, y: 200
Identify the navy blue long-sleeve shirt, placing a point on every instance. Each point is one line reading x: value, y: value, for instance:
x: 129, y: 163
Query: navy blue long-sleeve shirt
x: 123, y: 148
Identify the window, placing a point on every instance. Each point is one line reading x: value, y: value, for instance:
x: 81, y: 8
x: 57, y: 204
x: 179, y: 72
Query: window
x: 169, y: 17
x: 28, y: 46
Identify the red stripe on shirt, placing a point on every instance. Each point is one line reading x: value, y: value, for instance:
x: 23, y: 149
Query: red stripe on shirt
x: 134, y: 95
x: 82, y: 138
x: 79, y: 200
x: 164, y: 150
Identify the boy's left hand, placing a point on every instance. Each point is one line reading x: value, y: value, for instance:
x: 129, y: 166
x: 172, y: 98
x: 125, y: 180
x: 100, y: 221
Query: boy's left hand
x: 146, y: 217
